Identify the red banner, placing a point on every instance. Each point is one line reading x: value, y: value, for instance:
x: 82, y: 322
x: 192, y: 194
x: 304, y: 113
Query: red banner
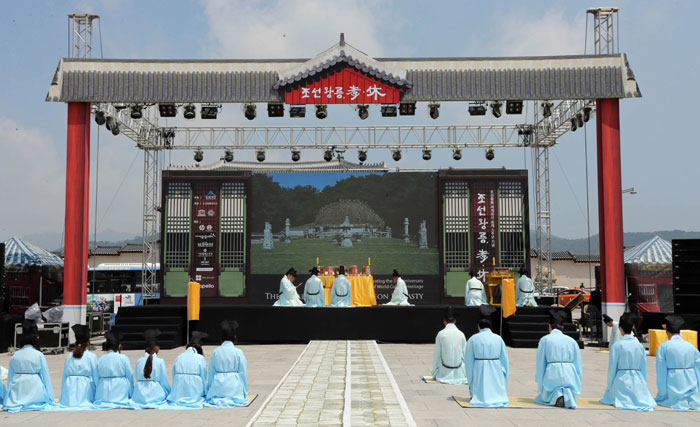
x: 347, y: 86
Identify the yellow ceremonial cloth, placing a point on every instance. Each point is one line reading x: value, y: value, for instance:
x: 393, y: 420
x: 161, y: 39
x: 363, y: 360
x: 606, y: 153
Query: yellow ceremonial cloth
x: 193, y: 301
x: 508, y: 297
x: 362, y: 289
x: 691, y: 336
x: 657, y: 336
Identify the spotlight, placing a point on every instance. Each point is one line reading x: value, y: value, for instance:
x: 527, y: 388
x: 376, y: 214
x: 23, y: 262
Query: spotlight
x: 514, y: 107
x: 168, y: 136
x: 574, y: 124
x: 228, y: 156
x: 189, y: 112
x: 168, y: 109
x: 427, y: 154
x: 477, y: 109
x: 260, y: 155
x: 275, y: 109
x: 115, y: 128
x: 136, y: 112
x: 296, y: 155
x: 490, y: 154
x: 388, y: 110
x: 587, y: 114
x: 362, y: 155
x: 407, y: 108
x: 496, y: 108
x: 209, y: 111
x: 579, y: 120
x: 434, y: 110
x: 321, y: 111
x: 362, y: 111
x: 100, y: 118
x: 396, y: 154
x: 109, y: 122
x: 297, y: 112
x: 547, y: 108
x: 328, y: 155
x: 198, y: 155
x: 456, y: 154
x: 250, y: 112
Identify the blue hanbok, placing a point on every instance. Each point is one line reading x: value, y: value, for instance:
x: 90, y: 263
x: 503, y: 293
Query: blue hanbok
x: 79, y: 381
x: 487, y: 369
x: 150, y: 393
x: 678, y: 374
x: 474, y: 293
x: 115, y: 383
x: 28, y: 382
x: 189, y: 381
x: 341, y: 292
x: 627, y: 377
x: 227, y: 377
x: 525, y: 292
x: 448, y: 363
x: 558, y: 371
x: 615, y: 334
x: 314, y: 296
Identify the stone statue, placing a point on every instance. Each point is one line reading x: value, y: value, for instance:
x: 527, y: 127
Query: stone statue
x: 268, y: 243
x: 346, y: 226
x: 286, y: 231
x: 405, y: 231
x: 423, y: 233
x: 388, y: 232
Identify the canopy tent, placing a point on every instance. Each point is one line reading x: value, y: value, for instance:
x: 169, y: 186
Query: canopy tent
x: 19, y: 253
x: 654, y: 251
x: 649, y: 276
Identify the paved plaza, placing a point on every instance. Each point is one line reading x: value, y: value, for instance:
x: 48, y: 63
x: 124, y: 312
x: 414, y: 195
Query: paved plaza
x: 310, y: 385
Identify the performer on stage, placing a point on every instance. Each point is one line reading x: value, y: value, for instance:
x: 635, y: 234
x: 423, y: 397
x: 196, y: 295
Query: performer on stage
x: 341, y: 292
x: 525, y: 291
x: 228, y: 385
x: 450, y: 347
x: 79, y: 373
x: 400, y: 294
x: 189, y: 376
x: 474, y: 293
x: 151, y: 388
x: 486, y: 360
x: 627, y: 371
x: 558, y: 372
x: 288, y: 292
x: 677, y: 369
x: 115, y: 382
x: 313, y: 290
x: 28, y: 381
x: 615, y: 332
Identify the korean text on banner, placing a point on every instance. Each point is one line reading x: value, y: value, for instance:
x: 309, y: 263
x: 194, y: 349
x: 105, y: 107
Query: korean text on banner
x: 193, y: 301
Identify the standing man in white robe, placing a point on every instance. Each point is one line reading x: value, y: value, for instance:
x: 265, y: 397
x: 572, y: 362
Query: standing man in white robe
x: 400, y: 294
x: 677, y: 370
x: 341, y: 292
x: 525, y: 291
x: 474, y: 293
x: 615, y: 332
x: 288, y: 292
x: 314, y: 296
x: 450, y: 348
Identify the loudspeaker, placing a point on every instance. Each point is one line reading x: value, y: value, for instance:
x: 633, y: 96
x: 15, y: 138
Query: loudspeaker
x: 686, y: 288
x: 685, y: 245
x: 686, y: 304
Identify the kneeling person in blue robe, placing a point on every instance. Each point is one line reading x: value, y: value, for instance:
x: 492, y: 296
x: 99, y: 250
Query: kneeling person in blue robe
x: 341, y: 292
x: 314, y: 296
x: 151, y: 387
x: 450, y: 348
x: 486, y: 360
x: 28, y: 381
x: 190, y: 375
x: 228, y: 385
x: 525, y: 291
x: 627, y: 371
x: 79, y: 373
x: 677, y: 370
x: 558, y: 371
x: 115, y: 382
x: 614, y: 331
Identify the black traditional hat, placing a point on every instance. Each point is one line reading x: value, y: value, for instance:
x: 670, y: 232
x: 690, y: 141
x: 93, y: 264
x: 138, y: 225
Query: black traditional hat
x: 395, y: 273
x: 228, y: 329
x: 314, y: 271
x: 674, y: 324
x: 557, y: 317
x: 82, y: 333
x: 341, y: 269
x: 111, y: 340
x: 449, y: 314
x: 291, y: 271
x: 151, y: 337
x: 607, y: 319
x: 197, y: 337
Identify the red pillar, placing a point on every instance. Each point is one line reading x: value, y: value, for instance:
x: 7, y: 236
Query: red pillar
x: 610, y: 207
x: 77, y: 204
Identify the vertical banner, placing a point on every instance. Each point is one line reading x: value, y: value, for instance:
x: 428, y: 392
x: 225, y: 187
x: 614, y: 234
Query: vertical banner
x: 484, y: 229
x: 205, y: 230
x: 193, y: 293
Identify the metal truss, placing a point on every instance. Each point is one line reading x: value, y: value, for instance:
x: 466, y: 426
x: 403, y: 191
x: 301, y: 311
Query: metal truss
x: 80, y: 34
x: 151, y: 215
x: 549, y: 129
x: 605, y: 26
x: 543, y: 229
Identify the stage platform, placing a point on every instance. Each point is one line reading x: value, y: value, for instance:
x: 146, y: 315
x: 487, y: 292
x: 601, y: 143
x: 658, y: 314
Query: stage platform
x: 267, y: 324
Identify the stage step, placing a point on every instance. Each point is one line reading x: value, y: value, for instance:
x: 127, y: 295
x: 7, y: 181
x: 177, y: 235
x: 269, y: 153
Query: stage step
x: 131, y: 322
x: 141, y: 345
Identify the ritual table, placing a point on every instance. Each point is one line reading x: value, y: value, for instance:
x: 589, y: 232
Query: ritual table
x: 362, y: 289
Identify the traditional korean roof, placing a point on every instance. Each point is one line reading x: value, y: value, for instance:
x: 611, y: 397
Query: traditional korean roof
x: 105, y: 250
x: 338, y: 165
x: 654, y: 251
x: 22, y: 254
x: 586, y: 257
x: 132, y: 247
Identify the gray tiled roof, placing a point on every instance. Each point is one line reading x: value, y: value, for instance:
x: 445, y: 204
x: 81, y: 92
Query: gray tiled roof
x: 340, y: 165
x: 105, y: 250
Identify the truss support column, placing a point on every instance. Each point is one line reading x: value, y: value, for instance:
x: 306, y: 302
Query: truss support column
x: 610, y: 207
x: 76, y: 215
x: 149, y: 287
x: 543, y: 224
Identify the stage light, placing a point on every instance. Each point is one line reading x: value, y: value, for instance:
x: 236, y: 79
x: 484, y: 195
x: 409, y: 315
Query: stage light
x: 477, y: 109
x: 198, y: 155
x: 362, y: 155
x: 579, y: 120
x: 250, y: 111
x: 209, y: 111
x: 260, y: 155
x: 297, y: 112
x: 228, y: 156
x: 547, y: 108
x: 434, y: 110
x: 189, y: 112
x: 514, y: 107
x: 496, y: 108
x: 388, y: 110
x: 100, y: 118
x: 109, y: 122
x: 136, y: 112
x: 457, y: 154
x: 574, y: 125
x: 296, y: 155
x: 587, y: 114
x: 407, y: 108
x: 427, y: 154
x: 115, y: 128
x: 362, y: 111
x: 275, y: 109
x: 321, y: 111
x: 168, y: 136
x: 328, y: 155
x: 168, y: 109
x: 396, y: 154
x: 490, y: 154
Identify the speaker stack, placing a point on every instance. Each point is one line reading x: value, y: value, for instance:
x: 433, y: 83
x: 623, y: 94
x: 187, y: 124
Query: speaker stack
x: 686, y: 276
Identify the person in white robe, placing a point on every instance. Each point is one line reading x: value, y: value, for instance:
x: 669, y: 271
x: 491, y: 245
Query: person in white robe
x: 474, y: 293
x: 525, y: 291
x: 314, y: 296
x: 450, y: 348
x: 400, y: 294
x: 288, y: 292
x: 677, y: 370
x: 614, y: 331
x: 341, y: 292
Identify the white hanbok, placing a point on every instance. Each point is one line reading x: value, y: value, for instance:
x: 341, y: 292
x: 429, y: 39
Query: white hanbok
x: 474, y: 293
x: 288, y: 294
x: 400, y: 294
